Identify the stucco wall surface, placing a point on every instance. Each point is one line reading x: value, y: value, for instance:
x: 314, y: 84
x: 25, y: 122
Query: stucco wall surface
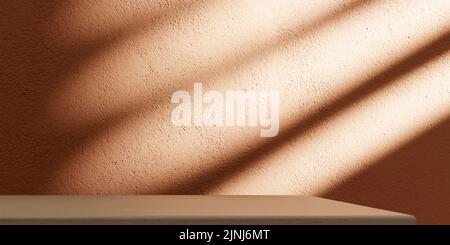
x: 85, y: 89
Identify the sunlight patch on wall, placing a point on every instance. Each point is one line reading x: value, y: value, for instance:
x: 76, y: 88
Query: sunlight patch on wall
x: 300, y: 48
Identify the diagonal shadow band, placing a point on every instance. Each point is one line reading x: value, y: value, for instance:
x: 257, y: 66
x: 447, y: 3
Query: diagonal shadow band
x: 213, y: 177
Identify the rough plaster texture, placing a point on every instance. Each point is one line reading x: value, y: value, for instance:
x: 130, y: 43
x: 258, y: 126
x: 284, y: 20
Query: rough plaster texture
x: 85, y: 99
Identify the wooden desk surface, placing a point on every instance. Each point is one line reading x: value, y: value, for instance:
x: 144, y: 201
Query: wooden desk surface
x: 189, y: 210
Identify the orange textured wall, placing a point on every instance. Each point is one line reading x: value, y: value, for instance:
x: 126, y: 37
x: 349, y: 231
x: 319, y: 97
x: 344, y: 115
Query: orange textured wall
x: 365, y: 107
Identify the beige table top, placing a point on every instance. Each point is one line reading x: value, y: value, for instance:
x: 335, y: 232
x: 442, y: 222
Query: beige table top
x: 189, y: 210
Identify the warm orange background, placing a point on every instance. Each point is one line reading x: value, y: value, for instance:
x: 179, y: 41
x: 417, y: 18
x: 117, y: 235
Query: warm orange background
x: 365, y: 114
